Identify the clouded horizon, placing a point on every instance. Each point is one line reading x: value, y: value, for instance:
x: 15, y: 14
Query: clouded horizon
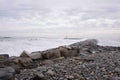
x: 60, y: 18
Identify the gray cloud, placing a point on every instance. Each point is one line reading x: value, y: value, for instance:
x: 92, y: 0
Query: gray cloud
x: 59, y: 17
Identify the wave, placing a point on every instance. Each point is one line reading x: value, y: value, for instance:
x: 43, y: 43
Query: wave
x: 15, y: 46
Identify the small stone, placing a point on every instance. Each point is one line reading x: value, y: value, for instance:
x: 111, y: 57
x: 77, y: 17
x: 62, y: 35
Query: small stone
x: 40, y: 75
x: 117, y: 69
x: 47, y: 62
x: 50, y: 72
x: 70, y: 77
x: 42, y: 68
x: 79, y: 77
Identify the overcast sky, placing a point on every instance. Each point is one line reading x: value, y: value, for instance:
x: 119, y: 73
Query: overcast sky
x: 60, y: 18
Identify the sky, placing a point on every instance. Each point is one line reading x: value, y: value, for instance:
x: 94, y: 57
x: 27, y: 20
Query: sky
x: 60, y: 18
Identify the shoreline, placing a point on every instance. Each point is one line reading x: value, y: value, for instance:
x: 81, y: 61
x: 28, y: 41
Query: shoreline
x: 84, y: 60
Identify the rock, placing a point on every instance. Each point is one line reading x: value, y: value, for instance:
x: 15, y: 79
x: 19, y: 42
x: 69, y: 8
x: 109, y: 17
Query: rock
x: 73, y: 53
x: 114, y: 78
x: 51, y: 54
x: 25, y: 62
x: 4, y: 60
x: 88, y: 42
x: 70, y: 77
x: 63, y: 51
x: 47, y: 62
x: 24, y: 54
x: 60, y: 58
x: 39, y: 76
x: 42, y: 68
x: 50, y: 72
x: 36, y: 55
x: 4, y: 56
x: 7, y: 73
x: 117, y: 69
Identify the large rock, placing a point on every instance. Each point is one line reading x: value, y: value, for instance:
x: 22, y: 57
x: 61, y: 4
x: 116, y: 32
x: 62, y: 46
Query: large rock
x: 24, y: 54
x: 88, y: 42
x: 7, y: 73
x: 23, y: 62
x: 36, y: 55
x: 4, y: 56
x: 51, y: 54
x: 63, y: 51
x: 4, y: 60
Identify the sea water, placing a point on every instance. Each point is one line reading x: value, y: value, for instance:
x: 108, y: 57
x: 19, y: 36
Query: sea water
x: 15, y: 46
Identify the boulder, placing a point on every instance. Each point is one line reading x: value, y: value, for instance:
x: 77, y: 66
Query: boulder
x: 23, y: 62
x: 4, y: 60
x: 63, y: 51
x: 7, y: 73
x: 24, y: 54
x: 4, y: 56
x: 51, y: 54
x: 35, y: 55
x: 88, y: 42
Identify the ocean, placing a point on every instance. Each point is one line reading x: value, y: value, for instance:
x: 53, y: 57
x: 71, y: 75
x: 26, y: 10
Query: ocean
x: 15, y: 46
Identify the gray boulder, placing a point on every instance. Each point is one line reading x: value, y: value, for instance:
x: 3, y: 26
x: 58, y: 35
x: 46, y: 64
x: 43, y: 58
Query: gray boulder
x: 51, y: 54
x: 35, y: 55
x: 88, y: 42
x: 7, y: 73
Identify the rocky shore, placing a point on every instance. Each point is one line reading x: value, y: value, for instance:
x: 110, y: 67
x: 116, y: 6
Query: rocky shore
x: 85, y: 60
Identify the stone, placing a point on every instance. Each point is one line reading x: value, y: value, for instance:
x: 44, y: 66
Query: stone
x: 7, y: 73
x: 50, y: 72
x: 4, y: 56
x: 24, y: 54
x: 117, y: 69
x: 25, y: 62
x: 47, y: 62
x: 79, y: 77
x: 35, y: 55
x: 88, y: 42
x: 70, y: 77
x: 39, y: 75
x: 60, y: 58
x: 42, y: 68
x: 51, y: 54
x: 63, y: 51
x: 114, y: 78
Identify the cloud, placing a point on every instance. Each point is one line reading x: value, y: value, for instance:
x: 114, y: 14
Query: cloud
x: 59, y: 17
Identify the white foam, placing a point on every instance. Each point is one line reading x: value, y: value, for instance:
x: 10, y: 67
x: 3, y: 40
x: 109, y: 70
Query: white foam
x: 15, y: 46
